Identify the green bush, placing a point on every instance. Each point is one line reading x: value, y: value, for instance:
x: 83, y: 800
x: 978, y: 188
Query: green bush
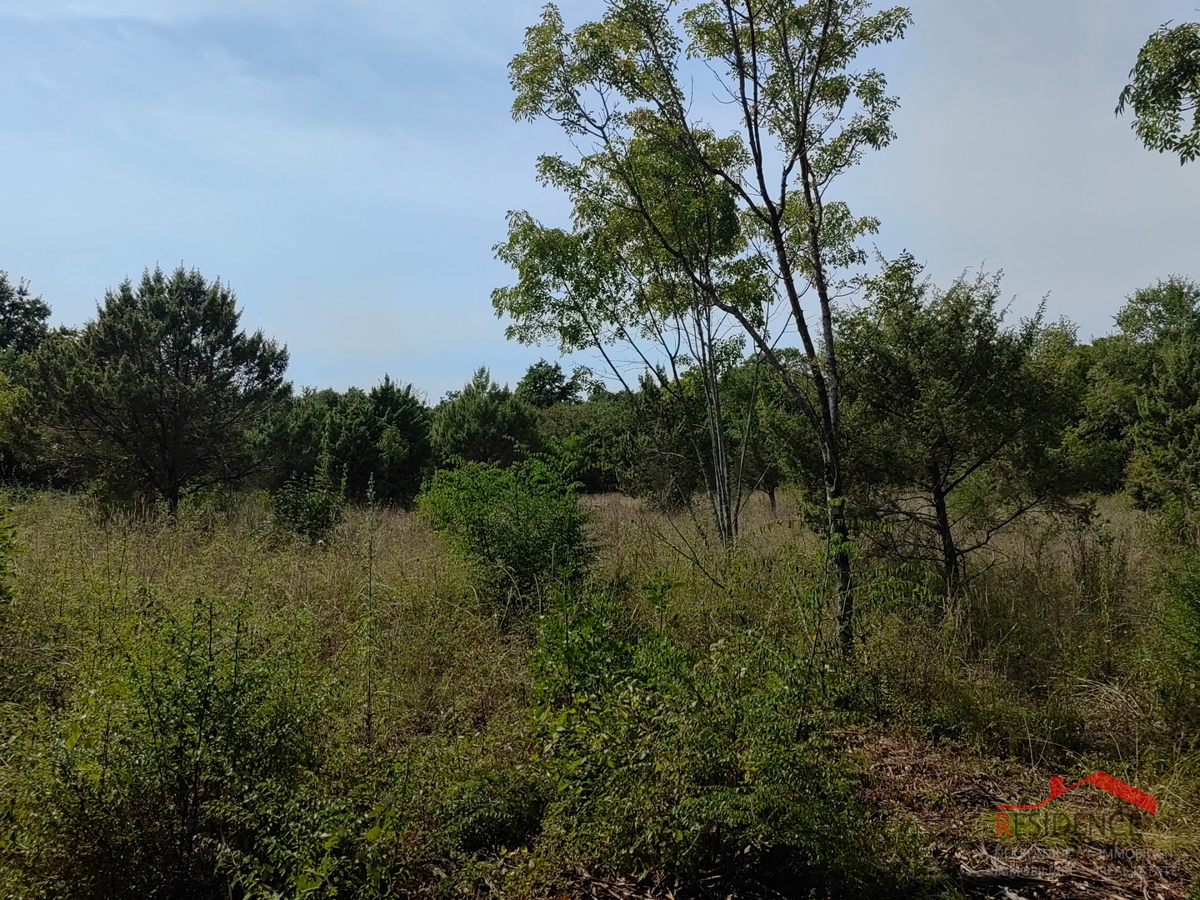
x: 522, y: 527
x: 128, y: 791
x: 310, y: 507
x: 1180, y: 663
x: 677, y: 764
x: 439, y: 818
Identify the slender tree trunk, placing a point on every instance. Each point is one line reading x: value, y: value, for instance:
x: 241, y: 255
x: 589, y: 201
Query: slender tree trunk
x: 722, y: 483
x: 839, y: 543
x: 721, y: 492
x: 950, y: 566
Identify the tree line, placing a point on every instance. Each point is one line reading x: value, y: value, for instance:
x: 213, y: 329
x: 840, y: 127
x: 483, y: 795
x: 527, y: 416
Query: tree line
x: 958, y: 420
x: 715, y: 274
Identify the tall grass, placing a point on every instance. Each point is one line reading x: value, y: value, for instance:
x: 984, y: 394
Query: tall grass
x: 356, y: 718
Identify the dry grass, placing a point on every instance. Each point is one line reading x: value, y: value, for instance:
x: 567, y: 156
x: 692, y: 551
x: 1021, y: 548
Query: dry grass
x: 379, y: 601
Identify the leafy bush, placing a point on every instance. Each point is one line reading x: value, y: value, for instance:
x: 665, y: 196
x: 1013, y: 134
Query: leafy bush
x: 311, y: 507
x: 129, y: 791
x: 678, y: 763
x: 1180, y: 681
x: 439, y: 819
x: 522, y: 526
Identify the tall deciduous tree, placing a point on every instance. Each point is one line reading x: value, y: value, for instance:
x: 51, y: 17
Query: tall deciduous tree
x: 609, y: 286
x: 803, y: 115
x: 1165, y: 91
x: 160, y: 391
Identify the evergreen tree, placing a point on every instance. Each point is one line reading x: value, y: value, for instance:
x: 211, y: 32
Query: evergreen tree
x: 160, y: 392
x: 22, y: 316
x: 483, y: 423
x: 382, y: 434
x: 956, y: 417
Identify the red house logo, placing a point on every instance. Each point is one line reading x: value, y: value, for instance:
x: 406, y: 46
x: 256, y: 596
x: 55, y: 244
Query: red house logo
x: 1102, y: 780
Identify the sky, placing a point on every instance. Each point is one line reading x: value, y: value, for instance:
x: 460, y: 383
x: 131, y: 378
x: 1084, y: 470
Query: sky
x: 346, y: 165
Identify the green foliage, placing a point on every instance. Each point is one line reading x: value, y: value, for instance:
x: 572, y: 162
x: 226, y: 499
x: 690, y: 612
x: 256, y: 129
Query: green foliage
x: 1165, y: 91
x: 482, y: 423
x: 311, y: 507
x: 10, y: 669
x: 1139, y: 411
x: 1166, y: 436
x: 950, y: 405
x: 675, y: 763
x: 138, y: 788
x: 580, y: 438
x: 381, y: 435
x: 522, y: 526
x: 158, y: 394
x: 656, y: 451
x: 702, y: 734
x: 684, y: 228
x: 1180, y: 682
x: 294, y: 436
x: 544, y: 385
x: 1168, y: 309
x: 913, y: 669
x: 22, y: 316
x: 768, y: 444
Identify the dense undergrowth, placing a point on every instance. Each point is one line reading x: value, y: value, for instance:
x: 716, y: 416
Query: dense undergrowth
x: 213, y: 707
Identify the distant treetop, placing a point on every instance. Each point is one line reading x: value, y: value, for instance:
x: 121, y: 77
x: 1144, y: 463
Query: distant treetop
x: 22, y: 316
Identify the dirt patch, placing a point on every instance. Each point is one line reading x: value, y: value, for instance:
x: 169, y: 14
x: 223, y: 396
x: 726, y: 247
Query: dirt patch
x: 952, y: 796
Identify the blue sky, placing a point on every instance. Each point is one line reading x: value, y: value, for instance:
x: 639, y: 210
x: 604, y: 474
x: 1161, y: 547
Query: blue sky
x: 347, y: 164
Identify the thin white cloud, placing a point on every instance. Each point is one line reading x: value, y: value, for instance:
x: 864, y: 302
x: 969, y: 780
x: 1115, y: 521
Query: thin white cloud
x: 155, y: 11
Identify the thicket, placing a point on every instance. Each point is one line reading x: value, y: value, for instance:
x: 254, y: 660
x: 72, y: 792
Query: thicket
x: 394, y: 739
x: 521, y: 527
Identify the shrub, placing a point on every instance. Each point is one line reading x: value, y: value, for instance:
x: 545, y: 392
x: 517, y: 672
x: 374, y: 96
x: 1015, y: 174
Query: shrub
x: 522, y: 526
x: 128, y: 792
x: 1180, y: 679
x: 311, y: 507
x: 677, y: 764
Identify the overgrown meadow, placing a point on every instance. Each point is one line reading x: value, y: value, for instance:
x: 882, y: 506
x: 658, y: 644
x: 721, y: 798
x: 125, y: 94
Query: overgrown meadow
x: 821, y: 585
x: 216, y: 706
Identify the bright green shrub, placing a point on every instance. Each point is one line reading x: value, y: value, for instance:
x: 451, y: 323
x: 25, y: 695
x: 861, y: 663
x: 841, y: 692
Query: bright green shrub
x: 129, y: 791
x: 522, y: 526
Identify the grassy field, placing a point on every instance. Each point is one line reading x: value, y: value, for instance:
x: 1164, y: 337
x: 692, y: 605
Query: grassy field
x: 213, y: 708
